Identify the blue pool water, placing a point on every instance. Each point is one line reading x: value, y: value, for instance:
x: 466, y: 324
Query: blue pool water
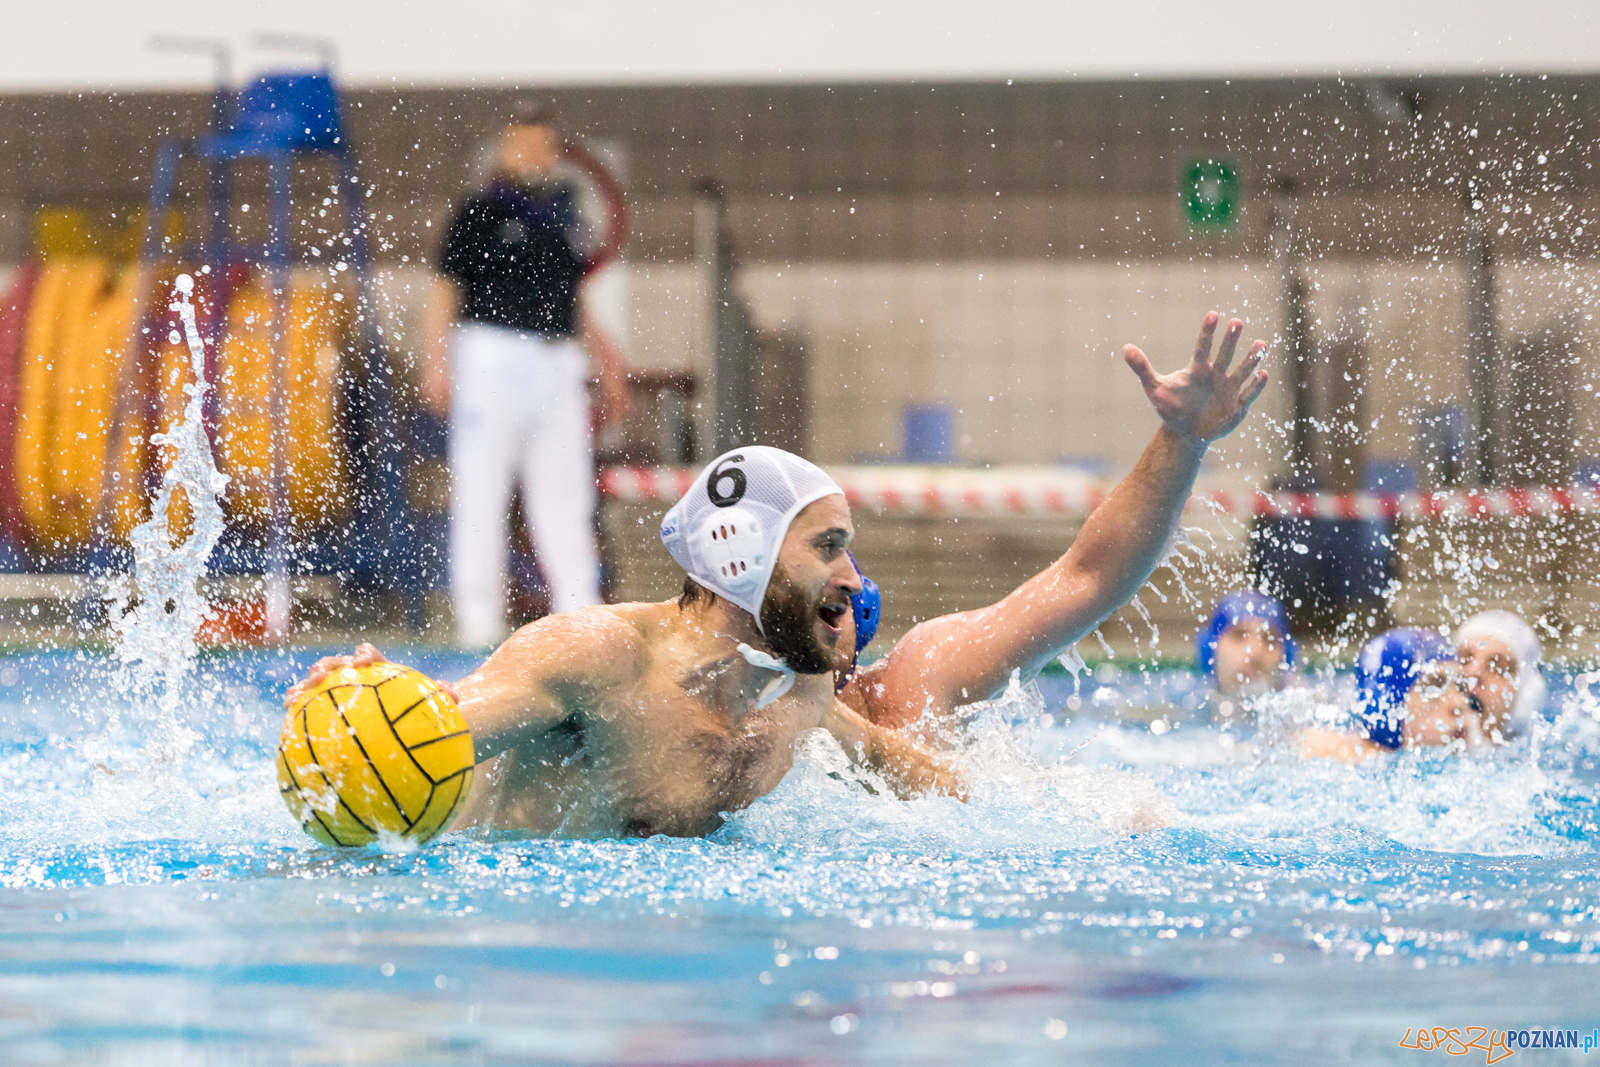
x: 157, y: 905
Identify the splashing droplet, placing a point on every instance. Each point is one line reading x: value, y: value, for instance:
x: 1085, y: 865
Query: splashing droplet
x: 155, y: 634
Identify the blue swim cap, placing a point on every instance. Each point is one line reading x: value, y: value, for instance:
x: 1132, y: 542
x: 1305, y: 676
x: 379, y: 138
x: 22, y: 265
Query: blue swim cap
x: 867, y: 607
x: 1387, y: 668
x: 1236, y: 607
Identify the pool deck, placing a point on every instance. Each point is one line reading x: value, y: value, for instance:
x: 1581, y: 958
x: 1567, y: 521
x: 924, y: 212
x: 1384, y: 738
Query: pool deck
x: 931, y: 566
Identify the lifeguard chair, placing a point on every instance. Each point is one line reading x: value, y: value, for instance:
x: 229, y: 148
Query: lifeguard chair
x: 281, y: 118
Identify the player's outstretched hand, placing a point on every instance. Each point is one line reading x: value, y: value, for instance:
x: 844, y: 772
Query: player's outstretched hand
x: 1209, y: 397
x: 365, y: 656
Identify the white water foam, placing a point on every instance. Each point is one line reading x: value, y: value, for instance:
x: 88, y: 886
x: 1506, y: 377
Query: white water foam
x: 1013, y: 800
x: 163, y: 754
x: 1109, y: 780
x: 1492, y: 803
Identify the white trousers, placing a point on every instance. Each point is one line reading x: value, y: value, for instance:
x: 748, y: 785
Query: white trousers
x: 520, y: 409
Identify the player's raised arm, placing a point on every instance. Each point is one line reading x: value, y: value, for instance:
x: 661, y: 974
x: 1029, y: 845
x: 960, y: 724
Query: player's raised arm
x: 969, y: 656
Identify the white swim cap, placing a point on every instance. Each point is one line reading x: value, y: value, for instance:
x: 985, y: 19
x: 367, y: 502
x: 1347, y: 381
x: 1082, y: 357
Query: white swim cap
x: 727, y: 529
x: 1524, y: 644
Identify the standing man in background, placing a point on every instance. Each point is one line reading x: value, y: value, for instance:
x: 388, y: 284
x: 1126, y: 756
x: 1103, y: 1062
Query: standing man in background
x: 506, y: 333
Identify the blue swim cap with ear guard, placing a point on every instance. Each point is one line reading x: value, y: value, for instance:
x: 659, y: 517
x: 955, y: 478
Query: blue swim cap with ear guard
x: 1237, y: 607
x: 1386, y: 671
x: 867, y: 607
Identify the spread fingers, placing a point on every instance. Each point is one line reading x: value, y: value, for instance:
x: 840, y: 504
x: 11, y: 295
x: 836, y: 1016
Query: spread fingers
x: 1202, y: 344
x: 1252, y: 387
x: 1252, y: 359
x: 1230, y: 341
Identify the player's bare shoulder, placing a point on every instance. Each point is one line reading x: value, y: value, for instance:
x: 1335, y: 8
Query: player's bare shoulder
x: 642, y: 625
x: 603, y: 644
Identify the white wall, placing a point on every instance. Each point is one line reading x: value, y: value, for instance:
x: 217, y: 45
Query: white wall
x: 101, y: 44
x: 1043, y: 339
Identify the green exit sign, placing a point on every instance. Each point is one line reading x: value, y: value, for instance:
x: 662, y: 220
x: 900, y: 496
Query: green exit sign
x: 1211, y: 192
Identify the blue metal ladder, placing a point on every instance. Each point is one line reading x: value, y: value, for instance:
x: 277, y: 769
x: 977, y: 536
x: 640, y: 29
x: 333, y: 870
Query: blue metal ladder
x: 279, y: 116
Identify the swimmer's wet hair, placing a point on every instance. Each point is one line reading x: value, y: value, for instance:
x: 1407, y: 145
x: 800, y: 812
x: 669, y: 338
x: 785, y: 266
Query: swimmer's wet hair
x: 693, y: 593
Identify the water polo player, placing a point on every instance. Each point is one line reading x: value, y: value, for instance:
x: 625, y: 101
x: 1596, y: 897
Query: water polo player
x: 1402, y: 688
x: 1246, y: 648
x: 633, y: 719
x: 969, y: 656
x: 636, y: 719
x: 1417, y: 690
x: 1489, y: 693
x: 1499, y: 657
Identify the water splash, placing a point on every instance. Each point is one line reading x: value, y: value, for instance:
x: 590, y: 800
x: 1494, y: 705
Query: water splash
x: 1072, y: 660
x: 155, y: 635
x: 1013, y: 800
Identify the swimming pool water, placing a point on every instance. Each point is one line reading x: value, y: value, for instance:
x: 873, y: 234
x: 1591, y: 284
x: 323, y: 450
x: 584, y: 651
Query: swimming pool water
x: 157, y: 905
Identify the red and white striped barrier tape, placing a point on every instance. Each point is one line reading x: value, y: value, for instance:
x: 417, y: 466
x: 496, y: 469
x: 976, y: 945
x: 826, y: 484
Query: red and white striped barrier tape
x: 1046, y: 492
x: 1447, y: 504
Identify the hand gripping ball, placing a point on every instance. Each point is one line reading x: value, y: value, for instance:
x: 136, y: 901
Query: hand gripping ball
x: 374, y: 751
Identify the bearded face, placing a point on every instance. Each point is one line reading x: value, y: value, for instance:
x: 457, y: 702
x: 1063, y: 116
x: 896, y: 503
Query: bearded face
x: 801, y: 625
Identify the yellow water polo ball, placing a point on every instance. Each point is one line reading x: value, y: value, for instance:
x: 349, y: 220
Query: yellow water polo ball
x: 374, y: 751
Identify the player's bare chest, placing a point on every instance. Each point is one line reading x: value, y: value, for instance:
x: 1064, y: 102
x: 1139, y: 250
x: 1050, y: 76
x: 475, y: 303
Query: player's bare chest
x: 717, y: 742
x: 695, y: 757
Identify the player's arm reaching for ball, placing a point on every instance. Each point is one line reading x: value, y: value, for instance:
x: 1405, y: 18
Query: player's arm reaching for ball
x: 969, y: 656
x: 545, y: 672
x: 542, y: 674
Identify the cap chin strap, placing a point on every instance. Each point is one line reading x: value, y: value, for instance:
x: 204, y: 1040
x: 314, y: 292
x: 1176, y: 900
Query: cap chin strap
x: 765, y: 660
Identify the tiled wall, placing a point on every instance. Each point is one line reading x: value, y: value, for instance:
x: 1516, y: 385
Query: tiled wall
x: 1042, y: 339
x: 989, y: 246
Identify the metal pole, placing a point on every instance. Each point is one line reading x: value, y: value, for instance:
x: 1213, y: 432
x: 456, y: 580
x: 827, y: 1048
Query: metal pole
x: 1482, y: 351
x: 322, y: 47
x: 218, y: 251
x: 708, y: 258
x: 1297, y: 332
x: 221, y: 168
x: 732, y: 378
x: 276, y: 567
x: 126, y: 387
x: 215, y: 236
x: 155, y: 220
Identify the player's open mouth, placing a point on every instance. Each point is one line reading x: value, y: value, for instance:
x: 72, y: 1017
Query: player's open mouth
x: 832, y: 615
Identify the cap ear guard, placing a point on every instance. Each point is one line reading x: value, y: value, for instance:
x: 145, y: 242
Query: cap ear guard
x: 867, y: 608
x: 731, y: 544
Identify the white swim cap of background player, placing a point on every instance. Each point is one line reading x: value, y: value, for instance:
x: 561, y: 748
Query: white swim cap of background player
x: 1532, y: 692
x: 727, y: 529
